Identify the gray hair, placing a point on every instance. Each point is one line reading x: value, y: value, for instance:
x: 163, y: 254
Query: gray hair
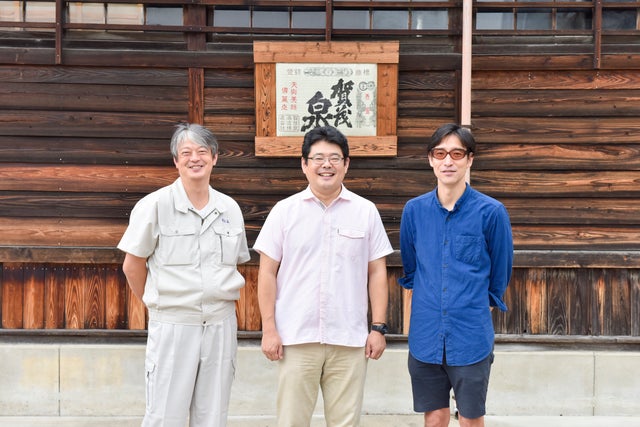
x: 195, y: 133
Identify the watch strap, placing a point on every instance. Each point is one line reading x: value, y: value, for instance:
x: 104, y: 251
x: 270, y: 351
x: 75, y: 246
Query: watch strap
x: 379, y: 327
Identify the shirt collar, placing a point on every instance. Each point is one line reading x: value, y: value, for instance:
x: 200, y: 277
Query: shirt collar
x: 345, y: 194
x: 459, y: 202
x: 463, y: 198
x: 182, y: 203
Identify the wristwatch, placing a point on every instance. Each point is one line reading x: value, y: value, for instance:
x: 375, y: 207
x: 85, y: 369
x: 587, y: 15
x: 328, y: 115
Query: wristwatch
x: 380, y: 327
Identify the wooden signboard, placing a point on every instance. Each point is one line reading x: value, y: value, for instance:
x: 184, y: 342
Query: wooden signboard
x: 352, y: 86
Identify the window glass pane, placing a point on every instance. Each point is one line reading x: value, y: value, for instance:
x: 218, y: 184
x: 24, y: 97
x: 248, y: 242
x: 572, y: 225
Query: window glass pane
x: 618, y: 19
x: 37, y: 11
x: 232, y: 18
x: 578, y: 20
x: 309, y: 19
x: 125, y: 14
x: 87, y: 13
x: 494, y: 21
x: 391, y: 19
x: 534, y: 20
x: 429, y: 20
x: 164, y: 15
x: 11, y: 11
x: 270, y: 19
x: 351, y: 19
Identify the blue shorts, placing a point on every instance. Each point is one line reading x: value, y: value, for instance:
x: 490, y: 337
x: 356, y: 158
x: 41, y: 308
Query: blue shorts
x: 432, y: 384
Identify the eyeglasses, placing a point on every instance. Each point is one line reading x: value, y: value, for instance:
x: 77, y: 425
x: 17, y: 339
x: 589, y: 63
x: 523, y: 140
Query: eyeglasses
x: 319, y: 160
x: 456, y: 153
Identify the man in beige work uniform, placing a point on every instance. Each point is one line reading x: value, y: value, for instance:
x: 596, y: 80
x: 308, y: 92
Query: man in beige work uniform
x: 182, y: 246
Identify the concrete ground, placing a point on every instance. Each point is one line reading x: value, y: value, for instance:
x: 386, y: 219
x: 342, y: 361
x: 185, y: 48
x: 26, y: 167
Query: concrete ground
x: 367, y: 421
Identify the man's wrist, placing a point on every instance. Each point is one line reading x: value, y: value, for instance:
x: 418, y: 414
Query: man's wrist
x: 379, y: 327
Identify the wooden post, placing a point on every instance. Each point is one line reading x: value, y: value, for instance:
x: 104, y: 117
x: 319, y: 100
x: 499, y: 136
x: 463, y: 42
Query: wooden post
x: 465, y: 87
x: 465, y: 84
x: 60, y: 15
x: 196, y: 16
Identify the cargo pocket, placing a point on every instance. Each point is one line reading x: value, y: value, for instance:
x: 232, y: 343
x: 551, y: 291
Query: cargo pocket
x: 229, y: 238
x: 150, y: 383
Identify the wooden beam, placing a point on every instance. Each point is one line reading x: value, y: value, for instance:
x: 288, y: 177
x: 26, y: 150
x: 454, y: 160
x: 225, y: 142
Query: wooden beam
x: 340, y: 52
x: 359, y: 146
x: 522, y: 258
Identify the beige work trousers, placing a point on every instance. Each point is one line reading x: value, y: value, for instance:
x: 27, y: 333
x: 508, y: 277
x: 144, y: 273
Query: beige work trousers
x: 339, y: 371
x: 189, y: 372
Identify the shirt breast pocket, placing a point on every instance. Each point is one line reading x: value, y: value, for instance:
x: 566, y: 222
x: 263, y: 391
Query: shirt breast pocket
x: 229, y: 238
x: 177, y: 246
x: 467, y: 249
x: 351, y: 243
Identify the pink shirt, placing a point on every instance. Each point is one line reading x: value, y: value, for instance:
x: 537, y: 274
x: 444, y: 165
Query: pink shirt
x: 324, y: 254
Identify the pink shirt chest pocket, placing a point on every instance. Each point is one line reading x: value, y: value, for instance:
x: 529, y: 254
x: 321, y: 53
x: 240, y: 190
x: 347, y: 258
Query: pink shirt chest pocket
x: 351, y: 243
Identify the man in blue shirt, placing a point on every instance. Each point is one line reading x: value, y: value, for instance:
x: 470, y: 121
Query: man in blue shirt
x: 457, y: 254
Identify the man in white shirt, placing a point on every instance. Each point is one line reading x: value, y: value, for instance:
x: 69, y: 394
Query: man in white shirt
x: 182, y: 245
x: 322, y: 259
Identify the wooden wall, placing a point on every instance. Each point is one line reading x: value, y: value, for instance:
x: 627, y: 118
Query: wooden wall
x: 542, y: 301
x: 81, y: 142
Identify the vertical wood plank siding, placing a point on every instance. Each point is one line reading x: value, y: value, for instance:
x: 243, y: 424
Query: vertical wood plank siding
x: 559, y: 144
x: 558, y: 301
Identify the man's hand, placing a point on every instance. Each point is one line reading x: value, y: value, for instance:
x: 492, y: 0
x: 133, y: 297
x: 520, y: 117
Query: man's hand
x: 375, y: 346
x: 272, y: 345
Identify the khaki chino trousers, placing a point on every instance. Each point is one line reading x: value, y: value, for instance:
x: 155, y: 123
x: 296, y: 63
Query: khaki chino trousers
x: 338, y: 371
